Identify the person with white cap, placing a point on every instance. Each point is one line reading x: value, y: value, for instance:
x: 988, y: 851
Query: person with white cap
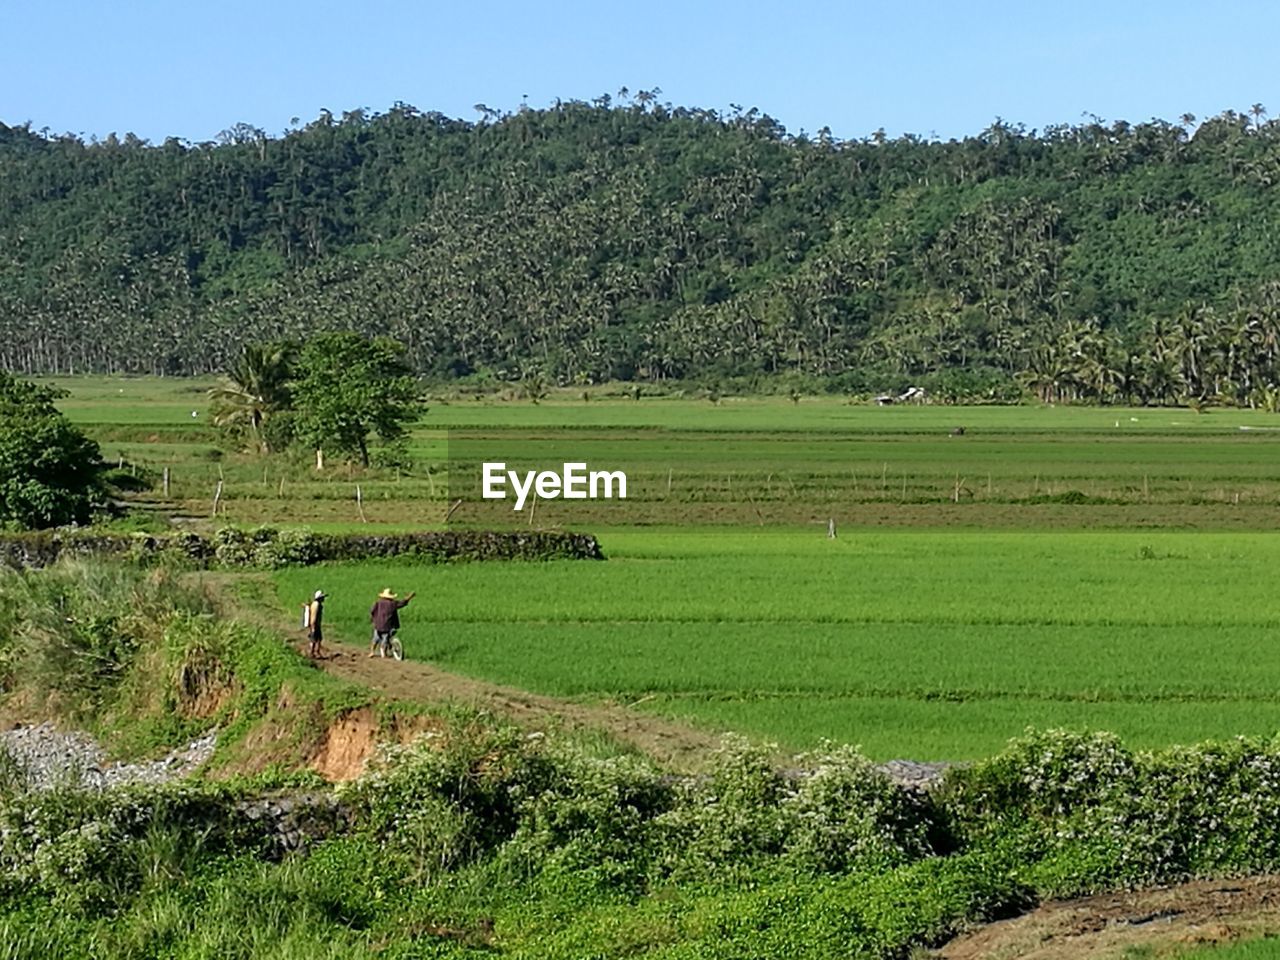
x: 315, y: 614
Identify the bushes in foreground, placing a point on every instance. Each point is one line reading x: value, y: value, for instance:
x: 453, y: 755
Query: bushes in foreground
x: 545, y: 808
x: 267, y: 547
x: 481, y: 837
x: 1093, y: 815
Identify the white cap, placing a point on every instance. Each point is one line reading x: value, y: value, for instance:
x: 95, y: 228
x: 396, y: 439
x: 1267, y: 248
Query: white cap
x: 319, y: 595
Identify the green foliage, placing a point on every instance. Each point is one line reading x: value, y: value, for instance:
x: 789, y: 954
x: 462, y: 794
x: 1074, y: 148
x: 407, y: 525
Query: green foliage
x: 143, y: 658
x: 267, y: 547
x: 1093, y: 816
x: 594, y: 819
x: 50, y: 473
x: 90, y: 850
x: 611, y: 240
x: 837, y: 814
x: 449, y: 803
x: 74, y: 631
x: 845, y: 815
x: 734, y: 822
x: 348, y: 387
x: 479, y: 836
x: 253, y: 393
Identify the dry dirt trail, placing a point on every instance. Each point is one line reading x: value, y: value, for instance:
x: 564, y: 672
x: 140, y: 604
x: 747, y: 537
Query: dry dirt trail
x: 680, y: 746
x: 1147, y: 923
x: 413, y: 681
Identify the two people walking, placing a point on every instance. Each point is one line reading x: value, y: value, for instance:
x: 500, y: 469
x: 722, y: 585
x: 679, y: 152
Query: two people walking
x: 384, y: 614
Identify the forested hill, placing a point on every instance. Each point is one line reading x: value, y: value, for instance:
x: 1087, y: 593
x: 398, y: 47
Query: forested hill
x: 631, y: 239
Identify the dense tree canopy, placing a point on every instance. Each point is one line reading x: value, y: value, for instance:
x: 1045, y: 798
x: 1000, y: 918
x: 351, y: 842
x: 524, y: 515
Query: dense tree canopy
x: 347, y: 387
x: 49, y: 471
x: 635, y: 240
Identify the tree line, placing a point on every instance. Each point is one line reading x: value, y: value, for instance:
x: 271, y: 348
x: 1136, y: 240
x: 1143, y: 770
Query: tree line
x: 629, y: 239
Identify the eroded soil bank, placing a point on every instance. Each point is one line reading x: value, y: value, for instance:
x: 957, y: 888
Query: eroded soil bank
x: 1147, y: 923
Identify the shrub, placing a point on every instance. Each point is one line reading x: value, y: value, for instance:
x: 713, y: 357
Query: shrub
x: 1091, y: 816
x: 233, y: 548
x: 730, y: 821
x: 846, y: 815
x: 1038, y: 777
x: 443, y: 801
x: 595, y: 817
x: 296, y: 548
x: 92, y: 848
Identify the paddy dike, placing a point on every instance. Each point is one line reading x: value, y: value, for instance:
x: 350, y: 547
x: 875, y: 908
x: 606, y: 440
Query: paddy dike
x: 1147, y: 923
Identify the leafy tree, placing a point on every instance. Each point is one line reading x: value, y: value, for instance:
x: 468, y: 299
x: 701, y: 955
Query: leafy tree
x: 348, y: 387
x: 255, y: 389
x: 50, y: 474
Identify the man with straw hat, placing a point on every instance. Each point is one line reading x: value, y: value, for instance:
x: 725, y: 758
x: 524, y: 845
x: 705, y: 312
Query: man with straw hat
x: 385, y: 614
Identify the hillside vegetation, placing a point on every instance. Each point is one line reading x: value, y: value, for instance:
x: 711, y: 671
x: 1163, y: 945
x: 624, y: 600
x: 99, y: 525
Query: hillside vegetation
x: 631, y: 239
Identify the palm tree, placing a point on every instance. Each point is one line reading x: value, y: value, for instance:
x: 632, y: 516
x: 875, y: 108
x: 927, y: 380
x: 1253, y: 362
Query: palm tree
x: 255, y: 388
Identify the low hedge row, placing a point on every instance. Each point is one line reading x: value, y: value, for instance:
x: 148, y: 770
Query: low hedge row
x: 269, y: 547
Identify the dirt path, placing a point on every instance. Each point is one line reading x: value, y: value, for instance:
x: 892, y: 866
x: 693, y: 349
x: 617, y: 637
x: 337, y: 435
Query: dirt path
x: 675, y: 744
x: 1158, y: 923
x: 251, y: 598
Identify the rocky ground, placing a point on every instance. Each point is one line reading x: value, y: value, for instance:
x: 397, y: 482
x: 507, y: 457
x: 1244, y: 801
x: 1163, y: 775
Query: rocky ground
x: 914, y: 774
x: 42, y: 757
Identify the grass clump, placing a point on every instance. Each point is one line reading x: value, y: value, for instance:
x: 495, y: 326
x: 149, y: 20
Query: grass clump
x: 146, y: 659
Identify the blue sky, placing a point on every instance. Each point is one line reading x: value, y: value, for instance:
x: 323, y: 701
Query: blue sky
x: 192, y: 69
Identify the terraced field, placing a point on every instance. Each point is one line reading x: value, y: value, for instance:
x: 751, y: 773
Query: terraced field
x: 1098, y: 568
x: 931, y: 645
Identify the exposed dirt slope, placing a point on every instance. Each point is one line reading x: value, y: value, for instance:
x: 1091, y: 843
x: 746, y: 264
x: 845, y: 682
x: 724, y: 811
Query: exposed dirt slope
x: 1150, y: 923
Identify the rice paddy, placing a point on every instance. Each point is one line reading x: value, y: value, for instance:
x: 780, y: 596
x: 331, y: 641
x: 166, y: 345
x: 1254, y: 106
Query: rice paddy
x: 1083, y: 567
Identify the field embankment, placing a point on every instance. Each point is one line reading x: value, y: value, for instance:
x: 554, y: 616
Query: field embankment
x: 1182, y: 920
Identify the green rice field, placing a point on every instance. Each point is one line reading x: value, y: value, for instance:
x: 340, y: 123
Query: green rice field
x: 929, y: 645
x: 1084, y: 567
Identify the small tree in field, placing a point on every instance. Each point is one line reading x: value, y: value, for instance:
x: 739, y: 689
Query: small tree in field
x: 254, y: 390
x: 50, y: 473
x: 347, y: 387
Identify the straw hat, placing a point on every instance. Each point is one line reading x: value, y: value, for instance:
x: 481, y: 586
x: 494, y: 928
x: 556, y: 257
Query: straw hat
x: 386, y: 594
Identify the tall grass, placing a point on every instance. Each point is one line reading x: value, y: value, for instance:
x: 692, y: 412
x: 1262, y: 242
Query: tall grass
x: 147, y: 659
x: 69, y: 635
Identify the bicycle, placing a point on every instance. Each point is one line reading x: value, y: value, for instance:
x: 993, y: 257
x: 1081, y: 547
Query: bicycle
x: 388, y: 643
